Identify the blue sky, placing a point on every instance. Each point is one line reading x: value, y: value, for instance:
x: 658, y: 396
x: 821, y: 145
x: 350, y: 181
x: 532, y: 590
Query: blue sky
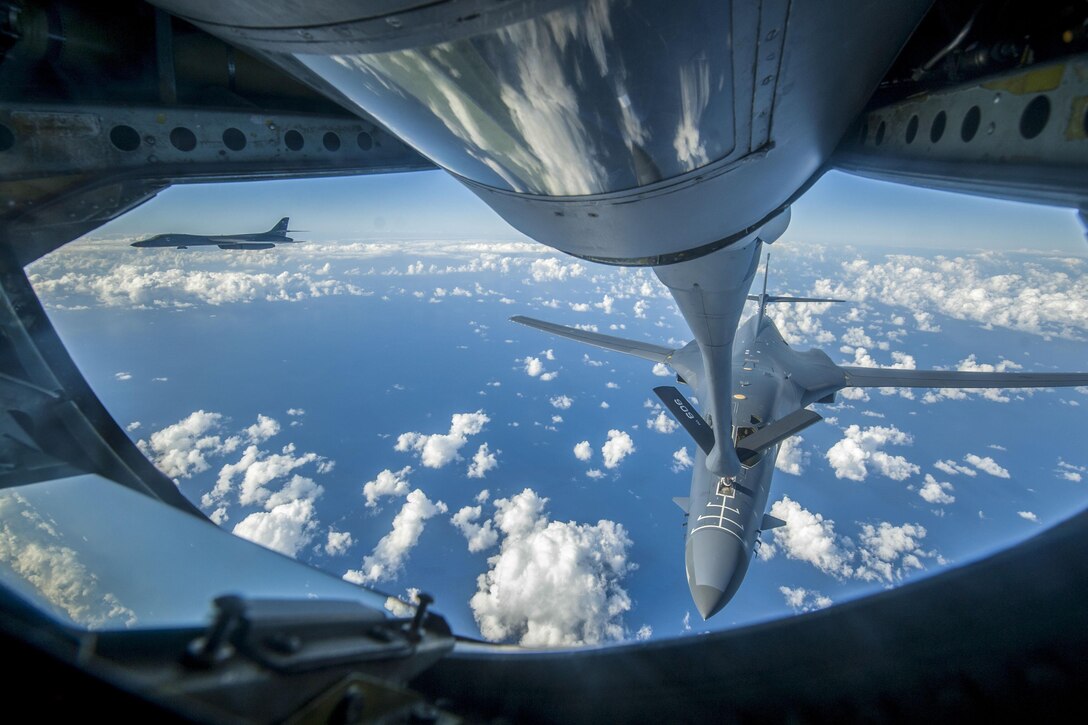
x: 285, y: 390
x: 839, y: 209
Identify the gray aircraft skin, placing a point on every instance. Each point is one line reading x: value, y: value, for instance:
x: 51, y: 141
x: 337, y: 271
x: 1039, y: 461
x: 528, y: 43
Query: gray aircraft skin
x: 257, y: 240
x: 757, y: 387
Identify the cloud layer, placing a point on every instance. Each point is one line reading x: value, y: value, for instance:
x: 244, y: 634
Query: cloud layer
x: 1023, y: 295
x: 286, y: 518
x: 179, y: 450
x: 884, y: 553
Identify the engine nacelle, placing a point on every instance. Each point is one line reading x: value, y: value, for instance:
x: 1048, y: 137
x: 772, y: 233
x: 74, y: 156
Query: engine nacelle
x: 247, y: 245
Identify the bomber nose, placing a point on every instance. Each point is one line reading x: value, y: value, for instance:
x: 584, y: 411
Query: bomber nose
x: 708, y: 600
x: 715, y: 562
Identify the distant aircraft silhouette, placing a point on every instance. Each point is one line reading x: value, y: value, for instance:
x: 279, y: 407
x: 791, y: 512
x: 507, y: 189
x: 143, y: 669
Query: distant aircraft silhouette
x: 260, y: 240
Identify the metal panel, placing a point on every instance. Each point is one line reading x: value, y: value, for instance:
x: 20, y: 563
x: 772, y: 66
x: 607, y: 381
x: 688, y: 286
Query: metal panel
x: 1021, y: 135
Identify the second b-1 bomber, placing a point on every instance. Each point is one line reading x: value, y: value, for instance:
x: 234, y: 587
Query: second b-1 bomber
x: 755, y: 390
x: 235, y: 242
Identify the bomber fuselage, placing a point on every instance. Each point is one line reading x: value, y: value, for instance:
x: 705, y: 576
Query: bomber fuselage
x: 724, y: 515
x: 198, y: 240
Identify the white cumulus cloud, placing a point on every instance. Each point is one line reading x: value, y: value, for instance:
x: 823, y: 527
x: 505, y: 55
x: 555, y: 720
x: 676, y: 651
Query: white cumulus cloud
x: 533, y: 366
x: 385, y: 562
x: 180, y: 450
x: 403, y: 608
x: 986, y: 465
x: 386, y: 483
x: 439, y: 449
x: 552, y: 269
x: 263, y: 429
x: 952, y: 468
x: 482, y: 462
x: 1026, y: 295
x: 285, y: 528
x: 583, y: 451
x: 886, y: 551
x: 859, y: 450
x: 563, y: 402
x: 338, y: 542
x: 257, y: 468
x: 662, y: 423
x: 800, y: 599
x: 937, y: 492
x: 552, y: 583
x: 681, y: 460
x: 809, y: 537
x: 479, y: 536
x: 1070, y: 471
x: 618, y: 446
x: 792, y: 459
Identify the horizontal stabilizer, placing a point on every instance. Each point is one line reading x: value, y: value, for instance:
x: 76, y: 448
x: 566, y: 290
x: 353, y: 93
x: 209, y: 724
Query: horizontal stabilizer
x: 685, y: 412
x: 751, y: 446
x: 683, y: 502
x: 893, y: 378
x: 777, y: 298
x: 771, y: 522
x: 644, y: 350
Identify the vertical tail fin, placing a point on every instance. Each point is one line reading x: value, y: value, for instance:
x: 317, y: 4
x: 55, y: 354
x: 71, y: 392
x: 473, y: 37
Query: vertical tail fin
x: 281, y: 227
x: 763, y: 297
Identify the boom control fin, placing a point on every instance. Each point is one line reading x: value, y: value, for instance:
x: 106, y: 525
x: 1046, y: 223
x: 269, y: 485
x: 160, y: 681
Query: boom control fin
x: 685, y: 412
x: 751, y: 446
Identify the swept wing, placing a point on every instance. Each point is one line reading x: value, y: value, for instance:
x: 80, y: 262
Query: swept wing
x: 645, y: 350
x: 893, y: 378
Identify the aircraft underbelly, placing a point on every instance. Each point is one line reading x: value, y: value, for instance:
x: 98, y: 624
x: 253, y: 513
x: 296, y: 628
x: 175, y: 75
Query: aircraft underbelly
x: 713, y: 112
